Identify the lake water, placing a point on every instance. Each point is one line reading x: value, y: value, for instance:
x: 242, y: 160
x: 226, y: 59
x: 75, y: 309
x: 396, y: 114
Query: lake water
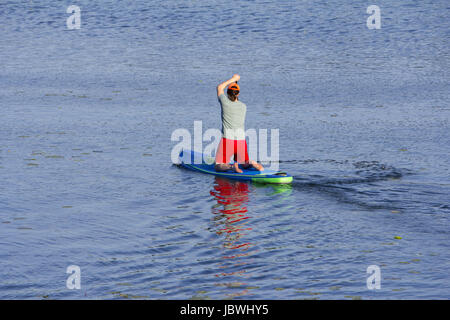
x: 86, y: 177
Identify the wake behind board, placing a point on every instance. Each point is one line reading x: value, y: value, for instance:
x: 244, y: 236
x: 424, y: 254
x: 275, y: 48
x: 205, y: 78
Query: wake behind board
x: 187, y: 158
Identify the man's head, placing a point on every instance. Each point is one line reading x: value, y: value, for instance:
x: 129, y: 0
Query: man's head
x: 233, y: 91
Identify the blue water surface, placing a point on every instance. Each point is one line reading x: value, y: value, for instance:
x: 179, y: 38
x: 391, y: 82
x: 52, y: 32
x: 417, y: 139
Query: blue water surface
x: 86, y: 176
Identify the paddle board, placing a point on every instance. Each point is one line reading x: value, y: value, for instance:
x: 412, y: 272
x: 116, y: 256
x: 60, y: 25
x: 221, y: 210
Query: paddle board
x: 187, y: 158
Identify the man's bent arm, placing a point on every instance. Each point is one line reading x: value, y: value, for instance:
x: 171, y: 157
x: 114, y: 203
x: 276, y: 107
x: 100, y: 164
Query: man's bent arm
x: 221, y: 87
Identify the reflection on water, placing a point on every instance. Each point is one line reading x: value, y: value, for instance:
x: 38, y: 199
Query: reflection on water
x: 232, y: 223
x: 286, y: 189
x: 231, y: 211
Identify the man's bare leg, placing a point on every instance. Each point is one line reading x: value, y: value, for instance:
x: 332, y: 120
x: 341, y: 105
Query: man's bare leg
x: 253, y: 164
x: 221, y: 167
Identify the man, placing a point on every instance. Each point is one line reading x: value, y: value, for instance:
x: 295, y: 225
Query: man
x: 233, y: 130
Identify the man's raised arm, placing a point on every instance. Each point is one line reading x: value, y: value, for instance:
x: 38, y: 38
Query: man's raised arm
x: 221, y: 87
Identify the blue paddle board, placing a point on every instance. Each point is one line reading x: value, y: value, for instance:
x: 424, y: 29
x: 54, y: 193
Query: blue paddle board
x: 187, y: 158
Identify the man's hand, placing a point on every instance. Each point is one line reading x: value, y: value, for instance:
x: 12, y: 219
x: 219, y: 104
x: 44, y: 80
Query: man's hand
x: 221, y: 87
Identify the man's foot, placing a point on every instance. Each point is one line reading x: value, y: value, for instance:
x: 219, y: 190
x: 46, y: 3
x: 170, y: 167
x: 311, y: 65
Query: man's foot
x: 236, y: 168
x: 256, y: 165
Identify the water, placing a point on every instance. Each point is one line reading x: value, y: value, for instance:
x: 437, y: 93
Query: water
x: 86, y: 176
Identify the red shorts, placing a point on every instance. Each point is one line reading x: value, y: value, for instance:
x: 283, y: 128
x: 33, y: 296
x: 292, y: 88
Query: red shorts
x: 228, y: 148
